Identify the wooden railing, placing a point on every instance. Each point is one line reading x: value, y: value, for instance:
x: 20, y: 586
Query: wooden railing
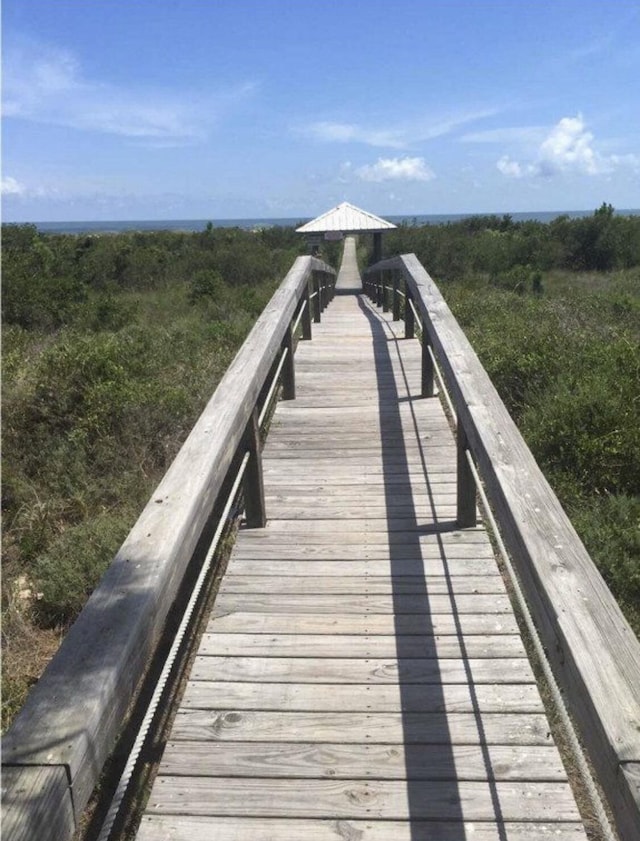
x: 58, y: 744
x: 594, y: 654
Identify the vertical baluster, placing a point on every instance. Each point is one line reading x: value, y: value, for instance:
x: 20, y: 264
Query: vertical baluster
x: 396, y: 296
x: 409, y: 318
x: 288, y: 368
x: 306, y: 316
x: 317, y: 306
x: 253, y: 483
x: 466, y: 490
x: 427, y: 363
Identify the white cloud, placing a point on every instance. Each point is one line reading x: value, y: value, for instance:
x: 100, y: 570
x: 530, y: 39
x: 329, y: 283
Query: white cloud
x: 567, y: 148
x: 509, y: 167
x: 396, y: 169
x: 331, y: 132
x: 401, y: 135
x: 508, y: 134
x: 10, y: 187
x: 45, y: 84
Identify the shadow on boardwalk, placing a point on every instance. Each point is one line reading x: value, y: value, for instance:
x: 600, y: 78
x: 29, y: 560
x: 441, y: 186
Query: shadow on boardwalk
x: 420, y: 736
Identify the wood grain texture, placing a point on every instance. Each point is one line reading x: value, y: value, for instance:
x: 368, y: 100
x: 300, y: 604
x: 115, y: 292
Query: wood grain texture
x: 190, y: 828
x: 348, y: 799
x: 36, y: 804
x: 406, y: 728
x: 381, y: 697
x: 364, y: 671
x: 362, y: 623
x: 361, y: 761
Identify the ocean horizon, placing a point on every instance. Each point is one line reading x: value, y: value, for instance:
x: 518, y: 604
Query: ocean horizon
x: 195, y: 225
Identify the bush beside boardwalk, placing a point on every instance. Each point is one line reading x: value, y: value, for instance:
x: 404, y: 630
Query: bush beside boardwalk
x: 113, y: 344
x: 553, y: 311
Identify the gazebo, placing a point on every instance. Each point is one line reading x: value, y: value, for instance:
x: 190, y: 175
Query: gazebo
x: 346, y: 219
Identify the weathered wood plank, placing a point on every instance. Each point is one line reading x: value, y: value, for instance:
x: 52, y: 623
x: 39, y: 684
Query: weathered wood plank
x: 372, y: 670
x: 311, y: 567
x: 353, y: 585
x: 406, y: 728
x: 419, y: 605
x: 358, y: 646
x: 193, y: 828
x: 361, y: 761
x: 347, y: 799
x: 362, y: 623
x: 380, y: 697
x: 36, y: 804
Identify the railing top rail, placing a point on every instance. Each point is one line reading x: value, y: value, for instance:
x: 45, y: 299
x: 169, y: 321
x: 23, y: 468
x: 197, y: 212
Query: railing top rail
x: 74, y: 713
x: 594, y: 651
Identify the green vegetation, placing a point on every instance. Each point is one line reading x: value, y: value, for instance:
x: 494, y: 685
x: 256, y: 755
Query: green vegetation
x: 553, y: 312
x: 112, y: 345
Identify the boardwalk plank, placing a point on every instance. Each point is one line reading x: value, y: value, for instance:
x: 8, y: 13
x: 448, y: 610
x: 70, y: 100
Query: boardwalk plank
x: 371, y: 670
x: 194, y: 828
x: 361, y: 761
x: 346, y: 799
x: 381, y: 697
x: 359, y: 646
x: 361, y: 623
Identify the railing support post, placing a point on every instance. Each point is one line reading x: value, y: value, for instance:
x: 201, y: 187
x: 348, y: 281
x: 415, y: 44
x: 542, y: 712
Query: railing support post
x: 385, y: 297
x: 409, y: 317
x: 288, y: 369
x: 317, y: 304
x: 306, y: 317
x: 466, y: 487
x: 379, y: 287
x: 427, y: 364
x: 396, y: 297
x: 253, y: 483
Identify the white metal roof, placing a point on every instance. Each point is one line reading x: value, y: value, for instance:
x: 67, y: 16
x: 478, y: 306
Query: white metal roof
x: 346, y: 218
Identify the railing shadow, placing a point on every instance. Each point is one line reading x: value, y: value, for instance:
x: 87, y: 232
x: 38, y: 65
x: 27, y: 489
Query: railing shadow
x: 429, y: 756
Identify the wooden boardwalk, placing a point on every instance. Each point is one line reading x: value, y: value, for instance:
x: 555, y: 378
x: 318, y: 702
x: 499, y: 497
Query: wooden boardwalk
x: 362, y: 675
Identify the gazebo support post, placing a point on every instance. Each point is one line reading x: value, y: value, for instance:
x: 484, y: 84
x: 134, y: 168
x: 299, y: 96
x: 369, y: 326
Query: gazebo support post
x: 377, y: 246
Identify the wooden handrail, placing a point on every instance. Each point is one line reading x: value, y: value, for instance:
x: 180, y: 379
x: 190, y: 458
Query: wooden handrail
x: 55, y: 750
x: 593, y: 651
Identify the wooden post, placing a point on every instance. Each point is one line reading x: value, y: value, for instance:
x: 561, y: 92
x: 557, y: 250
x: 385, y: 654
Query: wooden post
x: 379, y: 289
x: 253, y: 483
x: 306, y: 316
x: 288, y: 369
x: 385, y: 297
x: 466, y: 488
x: 409, y: 317
x: 377, y: 247
x: 396, y: 297
x: 427, y: 365
x: 317, y: 308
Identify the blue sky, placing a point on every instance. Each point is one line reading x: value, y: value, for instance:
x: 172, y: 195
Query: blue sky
x: 177, y: 109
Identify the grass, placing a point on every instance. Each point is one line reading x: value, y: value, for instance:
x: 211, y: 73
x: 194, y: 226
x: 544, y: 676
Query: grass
x: 93, y: 414
x: 567, y: 364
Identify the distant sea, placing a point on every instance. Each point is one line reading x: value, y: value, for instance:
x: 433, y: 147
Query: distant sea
x: 190, y: 225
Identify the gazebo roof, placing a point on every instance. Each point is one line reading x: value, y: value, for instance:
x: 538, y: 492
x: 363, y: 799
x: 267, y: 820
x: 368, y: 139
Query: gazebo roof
x: 348, y: 219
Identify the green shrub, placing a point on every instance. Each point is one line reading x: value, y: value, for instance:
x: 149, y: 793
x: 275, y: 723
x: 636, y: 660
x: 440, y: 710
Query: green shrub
x: 610, y: 528
x: 589, y: 424
x: 68, y: 572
